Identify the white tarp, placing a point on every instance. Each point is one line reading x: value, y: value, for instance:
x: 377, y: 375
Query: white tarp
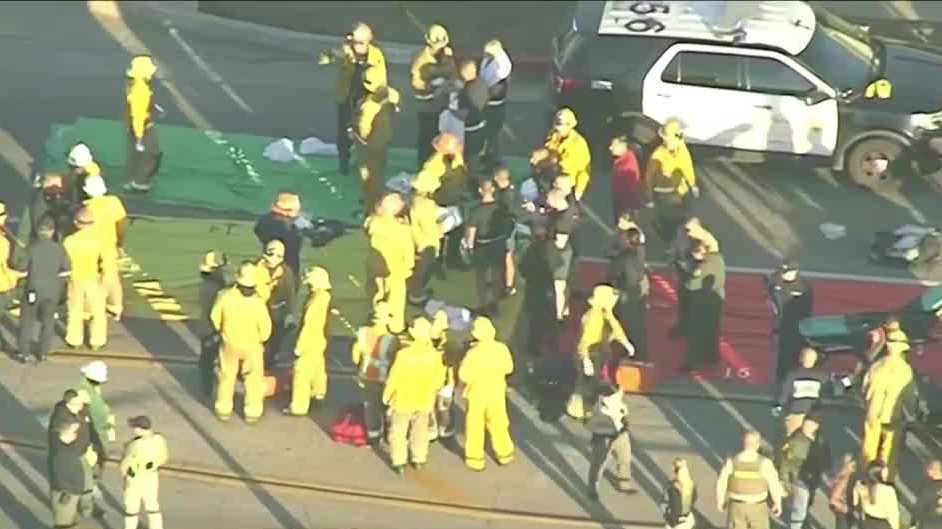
x: 280, y: 151
x: 315, y: 146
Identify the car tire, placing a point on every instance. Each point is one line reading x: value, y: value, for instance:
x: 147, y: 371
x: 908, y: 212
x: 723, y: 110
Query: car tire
x: 862, y: 155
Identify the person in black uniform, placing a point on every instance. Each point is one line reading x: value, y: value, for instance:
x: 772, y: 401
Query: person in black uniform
x: 51, y: 201
x: 486, y: 232
x: 792, y: 301
x: 561, y: 221
x: 801, y: 391
x: 704, y: 283
x: 472, y: 100
x: 281, y: 224
x: 927, y: 514
x: 47, y: 265
x: 538, y: 294
x: 628, y: 273
x: 495, y: 71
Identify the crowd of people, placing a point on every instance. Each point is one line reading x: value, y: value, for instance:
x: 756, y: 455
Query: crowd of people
x: 462, y: 211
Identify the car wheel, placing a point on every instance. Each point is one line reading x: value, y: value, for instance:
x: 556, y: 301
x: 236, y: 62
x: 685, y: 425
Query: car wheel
x: 870, y: 163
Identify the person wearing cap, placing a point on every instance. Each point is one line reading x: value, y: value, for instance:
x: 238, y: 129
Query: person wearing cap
x: 483, y: 373
x: 801, y: 391
x: 47, y: 265
x: 495, y: 69
x: 415, y: 377
x: 792, y: 301
x: 669, y: 177
x: 80, y: 163
x: 242, y: 320
x: 111, y: 223
x: 281, y: 223
x: 212, y: 281
x: 468, y: 106
x: 278, y: 287
x: 352, y: 58
x: 144, y: 152
x: 628, y: 273
x: 432, y: 71
x: 427, y: 234
x: 310, y: 367
x: 889, y: 389
x: 373, y: 132
x: 372, y: 353
x: 575, y: 158
x: 69, y: 476
x: 609, y: 427
x: 140, y: 464
x: 802, y: 462
x: 391, y: 258
x: 9, y: 277
x: 598, y: 328
x: 86, y: 252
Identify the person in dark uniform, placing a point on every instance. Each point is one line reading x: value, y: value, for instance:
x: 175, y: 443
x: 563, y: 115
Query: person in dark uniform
x: 51, y: 201
x: 802, y: 461
x: 73, y: 408
x: 628, y: 273
x: 509, y: 198
x: 704, y: 283
x: 495, y: 71
x: 561, y: 221
x: 212, y: 281
x: 46, y: 267
x: 486, y: 232
x: 801, y: 391
x: 472, y: 100
x: 281, y: 224
x: 539, y: 299
x: 927, y: 514
x: 792, y: 301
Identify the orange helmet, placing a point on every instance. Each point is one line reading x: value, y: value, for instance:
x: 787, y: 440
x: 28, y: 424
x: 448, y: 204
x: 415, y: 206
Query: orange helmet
x: 447, y: 143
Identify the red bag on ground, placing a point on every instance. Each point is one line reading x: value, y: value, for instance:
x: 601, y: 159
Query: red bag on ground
x: 349, y: 428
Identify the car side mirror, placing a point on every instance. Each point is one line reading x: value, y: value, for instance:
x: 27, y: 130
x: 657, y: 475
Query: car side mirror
x: 816, y: 96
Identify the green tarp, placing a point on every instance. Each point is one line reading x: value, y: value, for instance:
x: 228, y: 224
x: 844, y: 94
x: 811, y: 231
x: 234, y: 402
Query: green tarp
x: 227, y: 172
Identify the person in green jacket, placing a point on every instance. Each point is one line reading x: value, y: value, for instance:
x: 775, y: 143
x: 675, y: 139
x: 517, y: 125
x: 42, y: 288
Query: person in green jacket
x: 103, y: 421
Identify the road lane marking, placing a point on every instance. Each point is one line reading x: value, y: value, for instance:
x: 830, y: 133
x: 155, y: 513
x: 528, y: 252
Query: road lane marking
x: 16, y: 156
x: 210, y: 73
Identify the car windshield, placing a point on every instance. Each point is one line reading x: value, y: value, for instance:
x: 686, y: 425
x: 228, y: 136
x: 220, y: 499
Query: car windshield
x: 842, y: 53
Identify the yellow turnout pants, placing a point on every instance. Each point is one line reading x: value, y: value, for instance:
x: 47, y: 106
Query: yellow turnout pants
x: 487, y: 411
x: 309, y: 380
x: 139, y: 490
x: 111, y: 284
x: 250, y: 362
x: 408, y: 432
x: 881, y: 441
x: 86, y: 296
x: 393, y: 290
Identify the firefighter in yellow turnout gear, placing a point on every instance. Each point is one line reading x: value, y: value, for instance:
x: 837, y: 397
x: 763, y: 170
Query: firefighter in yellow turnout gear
x: 373, y: 132
x: 277, y: 285
x: 484, y: 372
x: 414, y: 379
x: 598, y: 329
x: 310, y: 367
x: 85, y: 251
x: 670, y: 177
x: 391, y: 258
x: 111, y: 222
x: 144, y: 151
x: 241, y: 318
x: 886, y: 386
x: 575, y: 158
x: 142, y: 459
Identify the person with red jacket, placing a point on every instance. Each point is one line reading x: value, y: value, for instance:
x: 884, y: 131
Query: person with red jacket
x: 627, y: 190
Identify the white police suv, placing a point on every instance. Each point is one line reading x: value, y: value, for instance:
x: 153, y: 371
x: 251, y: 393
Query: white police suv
x: 769, y: 76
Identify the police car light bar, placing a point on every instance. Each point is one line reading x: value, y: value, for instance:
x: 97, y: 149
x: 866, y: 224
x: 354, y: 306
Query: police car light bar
x: 787, y: 25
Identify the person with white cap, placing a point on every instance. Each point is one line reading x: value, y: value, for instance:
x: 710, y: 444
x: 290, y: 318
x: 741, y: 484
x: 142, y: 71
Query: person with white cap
x: 8, y: 276
x: 144, y: 152
x: 46, y: 265
x: 373, y: 132
x: 281, y: 223
x: 241, y: 318
x: 85, y: 296
x: 278, y: 287
x: 95, y: 374
x: 414, y: 380
x: 111, y: 224
x: 495, y: 71
x: 432, y: 70
x: 670, y: 176
x: 572, y: 150
x: 427, y: 233
x: 81, y: 162
x: 310, y: 366
x: 140, y: 464
x: 352, y: 59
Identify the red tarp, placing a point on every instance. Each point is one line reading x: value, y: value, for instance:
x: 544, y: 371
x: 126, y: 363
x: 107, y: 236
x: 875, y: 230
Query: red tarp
x: 746, y: 346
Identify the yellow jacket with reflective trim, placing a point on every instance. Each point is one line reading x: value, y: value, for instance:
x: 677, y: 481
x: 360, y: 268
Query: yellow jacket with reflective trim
x: 598, y: 328
x: 414, y: 379
x: 426, y: 231
x: 485, y: 368
x: 425, y: 68
x: 144, y: 455
x: 139, y: 99
x: 670, y: 170
x: 374, y: 120
x: 575, y: 159
x: 243, y: 321
x: 313, y: 335
x: 453, y: 177
x: 391, y: 240
x: 883, y: 385
x: 107, y: 211
x: 85, y: 251
x: 346, y: 65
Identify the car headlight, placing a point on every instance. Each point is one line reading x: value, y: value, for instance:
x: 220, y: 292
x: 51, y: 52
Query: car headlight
x: 927, y: 121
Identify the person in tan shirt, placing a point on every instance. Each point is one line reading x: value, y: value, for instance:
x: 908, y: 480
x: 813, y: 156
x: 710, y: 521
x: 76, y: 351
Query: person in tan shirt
x: 746, y: 484
x: 876, y: 500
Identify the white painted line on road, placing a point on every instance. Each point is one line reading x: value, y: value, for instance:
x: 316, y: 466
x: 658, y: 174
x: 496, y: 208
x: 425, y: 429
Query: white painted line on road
x: 213, y: 76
